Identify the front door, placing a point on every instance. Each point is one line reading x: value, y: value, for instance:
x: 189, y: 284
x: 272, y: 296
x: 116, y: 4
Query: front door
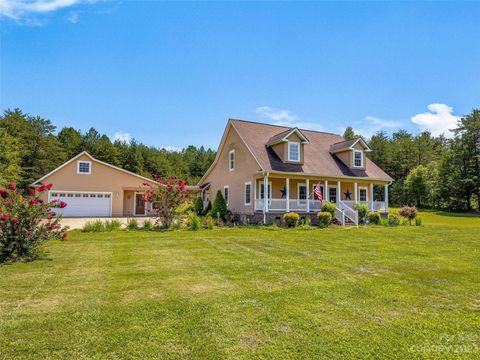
x: 139, y: 204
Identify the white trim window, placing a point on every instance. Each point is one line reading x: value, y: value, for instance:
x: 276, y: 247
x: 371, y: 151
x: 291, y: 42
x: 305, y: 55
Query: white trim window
x: 261, y: 190
x: 363, y: 194
x: 358, y: 158
x: 84, y: 167
x: 302, y: 192
x: 248, y: 193
x: 226, y: 193
x: 293, y: 151
x: 332, y: 194
x: 231, y: 160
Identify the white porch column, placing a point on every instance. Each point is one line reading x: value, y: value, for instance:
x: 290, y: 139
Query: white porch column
x: 386, y: 198
x: 265, y: 199
x: 338, y: 192
x: 308, y: 194
x: 355, y: 192
x: 287, y: 195
x: 326, y: 195
x: 266, y: 193
x: 371, y: 197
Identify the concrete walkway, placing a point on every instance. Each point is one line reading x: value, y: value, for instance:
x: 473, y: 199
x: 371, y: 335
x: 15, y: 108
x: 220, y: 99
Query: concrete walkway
x: 77, y: 223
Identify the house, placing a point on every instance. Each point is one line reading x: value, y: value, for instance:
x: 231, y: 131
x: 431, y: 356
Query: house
x: 91, y: 187
x: 266, y: 170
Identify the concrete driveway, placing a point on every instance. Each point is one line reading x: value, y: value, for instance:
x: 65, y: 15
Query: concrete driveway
x: 77, y: 223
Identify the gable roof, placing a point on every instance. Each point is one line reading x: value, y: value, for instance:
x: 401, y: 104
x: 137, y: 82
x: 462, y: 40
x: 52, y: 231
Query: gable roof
x: 284, y: 135
x: 348, y: 145
x: 317, y: 157
x: 93, y: 159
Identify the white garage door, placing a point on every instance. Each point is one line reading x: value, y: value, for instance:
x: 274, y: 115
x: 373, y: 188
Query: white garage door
x: 83, y: 203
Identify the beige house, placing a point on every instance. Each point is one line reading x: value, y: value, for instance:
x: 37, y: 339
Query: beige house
x: 265, y: 170
x: 91, y: 187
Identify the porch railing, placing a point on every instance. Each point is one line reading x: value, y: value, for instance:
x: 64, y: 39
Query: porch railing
x: 377, y: 205
x: 314, y: 205
x: 294, y: 205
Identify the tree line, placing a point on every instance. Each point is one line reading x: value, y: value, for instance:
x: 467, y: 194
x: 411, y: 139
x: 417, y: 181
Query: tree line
x: 431, y: 172
x: 30, y: 147
x: 428, y: 171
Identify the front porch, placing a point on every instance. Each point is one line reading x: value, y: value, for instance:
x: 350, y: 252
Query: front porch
x: 297, y: 194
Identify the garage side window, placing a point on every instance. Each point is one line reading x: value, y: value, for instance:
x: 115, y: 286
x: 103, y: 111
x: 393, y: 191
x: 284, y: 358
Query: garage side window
x: 84, y: 167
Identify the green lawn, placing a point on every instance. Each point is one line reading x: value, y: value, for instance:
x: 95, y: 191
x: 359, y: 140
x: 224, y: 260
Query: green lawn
x: 406, y: 292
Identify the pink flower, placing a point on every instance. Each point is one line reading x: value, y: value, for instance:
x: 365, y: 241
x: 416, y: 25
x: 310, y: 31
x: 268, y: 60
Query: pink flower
x: 48, y: 186
x: 41, y: 188
x: 4, y: 217
x: 173, y: 177
x: 14, y: 221
x: 147, y: 184
x: 32, y: 202
x: 62, y: 204
x: 39, y: 201
x: 11, y: 186
x: 3, y: 193
x: 31, y: 191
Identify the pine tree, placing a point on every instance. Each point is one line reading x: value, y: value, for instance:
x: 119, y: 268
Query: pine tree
x: 219, y: 208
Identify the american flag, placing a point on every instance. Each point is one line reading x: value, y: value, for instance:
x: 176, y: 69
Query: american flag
x: 318, y: 191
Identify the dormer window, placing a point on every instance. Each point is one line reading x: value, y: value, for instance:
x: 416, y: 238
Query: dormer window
x: 84, y: 167
x: 293, y: 151
x: 358, y: 158
x: 231, y: 160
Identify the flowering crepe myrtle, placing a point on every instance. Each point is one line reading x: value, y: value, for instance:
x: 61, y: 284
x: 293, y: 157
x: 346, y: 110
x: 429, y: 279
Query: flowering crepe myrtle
x: 26, y: 221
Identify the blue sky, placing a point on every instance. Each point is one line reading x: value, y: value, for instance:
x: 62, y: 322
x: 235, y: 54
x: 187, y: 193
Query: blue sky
x: 171, y: 74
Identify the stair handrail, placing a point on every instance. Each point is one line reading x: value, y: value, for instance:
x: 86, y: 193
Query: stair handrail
x: 348, y: 212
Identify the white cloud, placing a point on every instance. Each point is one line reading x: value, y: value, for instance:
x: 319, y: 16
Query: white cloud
x: 17, y: 9
x: 73, y: 17
x: 438, y: 121
x: 171, y: 148
x: 370, y: 125
x: 276, y: 114
x: 123, y: 137
x: 286, y: 118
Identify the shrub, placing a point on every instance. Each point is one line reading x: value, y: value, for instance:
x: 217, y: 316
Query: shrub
x: 26, y: 221
x: 374, y: 217
x: 362, y: 211
x: 383, y: 221
x: 291, y: 219
x: 393, y: 220
x: 324, y: 219
x: 193, y: 222
x: 208, y: 208
x: 329, y: 207
x: 132, y: 224
x: 93, y: 226
x: 147, y: 224
x: 165, y: 197
x: 418, y: 221
x: 112, y: 225
x: 185, y: 208
x: 409, y: 213
x: 198, y: 206
x: 307, y: 221
x: 219, y: 208
x: 209, y: 222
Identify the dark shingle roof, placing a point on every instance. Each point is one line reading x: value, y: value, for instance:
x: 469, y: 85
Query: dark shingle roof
x: 342, y: 145
x: 317, y: 156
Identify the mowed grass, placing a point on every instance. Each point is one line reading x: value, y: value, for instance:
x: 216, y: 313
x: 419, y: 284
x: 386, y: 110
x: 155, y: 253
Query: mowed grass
x: 389, y: 293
